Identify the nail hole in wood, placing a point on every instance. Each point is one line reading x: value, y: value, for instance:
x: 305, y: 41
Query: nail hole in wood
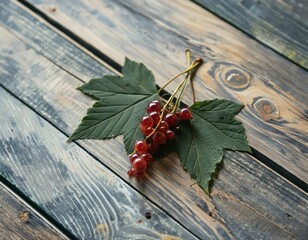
x: 289, y: 216
x: 148, y: 215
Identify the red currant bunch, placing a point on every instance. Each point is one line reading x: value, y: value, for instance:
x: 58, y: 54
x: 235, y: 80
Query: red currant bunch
x: 158, y: 128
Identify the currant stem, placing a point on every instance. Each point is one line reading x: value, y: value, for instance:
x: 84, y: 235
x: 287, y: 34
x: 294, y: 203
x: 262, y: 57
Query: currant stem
x: 188, y: 58
x: 192, y: 87
x: 176, y: 105
x: 182, y: 85
x: 194, y: 64
x: 161, y: 117
x: 191, y: 67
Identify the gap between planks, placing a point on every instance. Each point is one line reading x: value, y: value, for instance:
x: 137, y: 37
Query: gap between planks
x: 23, y: 97
x: 84, y: 46
x: 114, y: 70
x: 252, y: 22
x: 89, y: 48
x: 129, y: 206
x: 28, y: 206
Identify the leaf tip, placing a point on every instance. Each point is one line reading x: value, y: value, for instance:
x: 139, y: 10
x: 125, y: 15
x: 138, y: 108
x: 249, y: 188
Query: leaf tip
x: 127, y: 61
x: 71, y: 138
x: 249, y: 150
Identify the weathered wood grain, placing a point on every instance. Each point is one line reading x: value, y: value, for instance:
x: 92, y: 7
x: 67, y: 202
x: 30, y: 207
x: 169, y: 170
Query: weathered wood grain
x: 236, y: 67
x: 70, y: 185
x: 19, y: 222
x: 269, y: 206
x: 281, y: 25
x: 110, y: 152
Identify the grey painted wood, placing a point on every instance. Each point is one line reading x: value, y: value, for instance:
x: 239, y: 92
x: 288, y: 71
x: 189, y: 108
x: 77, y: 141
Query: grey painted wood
x: 236, y: 67
x: 109, y: 152
x: 18, y: 221
x: 73, y: 188
x: 269, y: 206
x: 281, y: 25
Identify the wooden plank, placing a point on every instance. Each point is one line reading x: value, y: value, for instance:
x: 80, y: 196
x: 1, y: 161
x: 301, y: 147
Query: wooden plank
x: 236, y: 67
x: 107, y: 151
x: 269, y: 206
x: 77, y: 191
x: 18, y: 220
x: 281, y: 25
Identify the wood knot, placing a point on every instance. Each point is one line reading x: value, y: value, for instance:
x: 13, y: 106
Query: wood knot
x: 266, y: 109
x: 233, y: 76
x: 24, y: 216
x: 102, y: 228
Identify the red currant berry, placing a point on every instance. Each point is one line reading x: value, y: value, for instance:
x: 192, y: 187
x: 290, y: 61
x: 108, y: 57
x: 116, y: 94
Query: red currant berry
x: 159, y: 138
x: 171, y: 119
x: 164, y: 126
x: 152, y: 148
x: 131, y: 172
x: 170, y: 135
x: 156, y: 117
x: 139, y: 165
x: 146, y: 122
x: 140, y: 175
x: 153, y: 107
x: 141, y: 147
x: 133, y: 157
x: 147, y: 157
x: 185, y: 114
x: 146, y: 131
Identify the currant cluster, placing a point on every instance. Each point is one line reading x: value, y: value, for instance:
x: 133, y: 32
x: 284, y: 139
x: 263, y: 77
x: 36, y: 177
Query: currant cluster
x: 158, y: 128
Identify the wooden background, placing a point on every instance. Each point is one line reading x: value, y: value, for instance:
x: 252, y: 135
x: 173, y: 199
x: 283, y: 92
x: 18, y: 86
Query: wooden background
x: 50, y: 47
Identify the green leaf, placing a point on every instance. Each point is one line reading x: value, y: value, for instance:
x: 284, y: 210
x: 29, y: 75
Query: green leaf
x: 200, y: 143
x: 122, y: 102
